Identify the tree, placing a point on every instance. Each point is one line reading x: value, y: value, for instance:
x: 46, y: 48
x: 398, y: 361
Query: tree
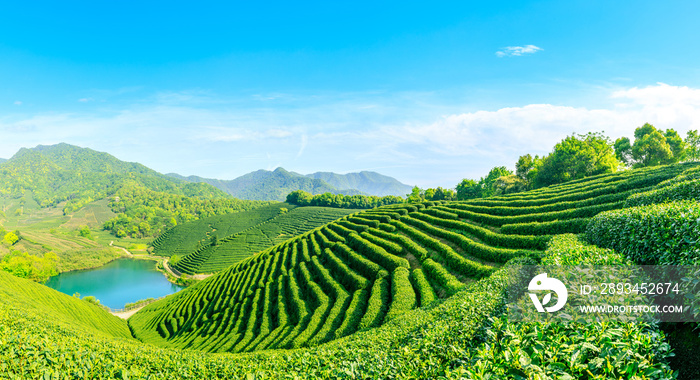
x: 429, y: 194
x: 692, y: 142
x: 416, y: 195
x: 299, y: 197
x: 468, y: 189
x: 623, y: 150
x: 488, y: 187
x: 524, y: 165
x: 676, y: 143
x: 443, y: 194
x: 11, y: 238
x: 85, y: 232
x: 509, y: 184
x: 577, y: 156
x: 651, y: 147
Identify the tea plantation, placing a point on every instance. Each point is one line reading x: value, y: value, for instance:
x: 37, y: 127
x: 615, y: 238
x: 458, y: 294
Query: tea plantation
x: 212, y: 244
x: 401, y: 291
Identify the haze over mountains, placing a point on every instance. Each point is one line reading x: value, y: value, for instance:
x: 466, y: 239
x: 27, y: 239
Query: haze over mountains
x: 276, y: 184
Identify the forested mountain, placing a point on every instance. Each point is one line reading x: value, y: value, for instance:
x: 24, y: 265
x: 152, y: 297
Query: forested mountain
x: 275, y: 185
x: 64, y: 172
x: 2, y: 160
x: 70, y: 177
x: 371, y: 183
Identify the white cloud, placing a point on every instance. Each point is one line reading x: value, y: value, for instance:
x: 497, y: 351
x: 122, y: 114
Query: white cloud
x: 515, y: 51
x: 85, y: 100
x: 335, y: 136
x: 17, y: 103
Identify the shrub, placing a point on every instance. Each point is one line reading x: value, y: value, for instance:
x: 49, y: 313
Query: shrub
x: 421, y: 284
x: 654, y: 234
x: 439, y: 275
x: 376, y: 253
x: 672, y: 192
x: 377, y: 303
x: 403, y: 298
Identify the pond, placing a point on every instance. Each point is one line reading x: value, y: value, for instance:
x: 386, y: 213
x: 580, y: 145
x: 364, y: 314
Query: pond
x: 116, y: 283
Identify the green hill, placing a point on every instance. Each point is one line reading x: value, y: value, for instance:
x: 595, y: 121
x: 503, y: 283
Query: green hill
x: 433, y: 277
x: 275, y: 185
x: 69, y: 177
x: 238, y: 235
x: 62, y: 172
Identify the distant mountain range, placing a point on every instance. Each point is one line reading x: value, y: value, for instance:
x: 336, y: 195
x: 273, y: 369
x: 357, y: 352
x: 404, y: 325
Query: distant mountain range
x: 56, y: 173
x: 276, y: 184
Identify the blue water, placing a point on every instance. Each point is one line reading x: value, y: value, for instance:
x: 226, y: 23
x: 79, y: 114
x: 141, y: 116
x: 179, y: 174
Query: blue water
x: 117, y: 283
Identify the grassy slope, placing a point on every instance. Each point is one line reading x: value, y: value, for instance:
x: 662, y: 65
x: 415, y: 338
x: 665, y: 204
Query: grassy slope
x: 56, y: 306
x: 47, y: 229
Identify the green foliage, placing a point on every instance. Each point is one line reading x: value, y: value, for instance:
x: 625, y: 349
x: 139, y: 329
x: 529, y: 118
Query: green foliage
x: 426, y: 295
x: 143, y: 212
x: 524, y: 165
x: 239, y: 235
x: 468, y: 189
x: 568, y: 249
x: 653, y: 234
x: 24, y: 265
x: 692, y: 143
x: 403, y: 297
x: 10, y: 238
x: 678, y: 191
x: 302, y: 198
x: 555, y: 227
x: 577, y: 156
x: 84, y: 231
x: 652, y: 147
x: 316, y: 288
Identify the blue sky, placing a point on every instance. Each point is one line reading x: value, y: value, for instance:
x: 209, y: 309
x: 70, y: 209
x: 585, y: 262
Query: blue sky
x: 427, y: 93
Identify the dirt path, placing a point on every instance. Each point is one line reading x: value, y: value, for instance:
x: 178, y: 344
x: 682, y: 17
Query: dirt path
x: 123, y: 249
x: 196, y: 276
x: 127, y: 314
x: 167, y: 267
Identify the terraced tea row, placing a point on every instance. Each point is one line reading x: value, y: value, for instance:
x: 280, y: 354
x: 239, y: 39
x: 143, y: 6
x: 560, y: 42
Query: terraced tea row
x: 226, y: 251
x: 352, y: 274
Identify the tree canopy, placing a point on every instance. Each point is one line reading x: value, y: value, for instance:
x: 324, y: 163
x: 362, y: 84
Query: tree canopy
x: 651, y: 147
x: 576, y: 156
x: 302, y: 198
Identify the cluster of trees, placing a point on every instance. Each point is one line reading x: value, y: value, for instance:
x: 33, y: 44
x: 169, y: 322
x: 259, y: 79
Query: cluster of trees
x: 653, y: 147
x: 437, y: 194
x: 9, y: 238
x: 143, y: 212
x: 302, y: 198
x: 579, y: 156
x: 22, y: 264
